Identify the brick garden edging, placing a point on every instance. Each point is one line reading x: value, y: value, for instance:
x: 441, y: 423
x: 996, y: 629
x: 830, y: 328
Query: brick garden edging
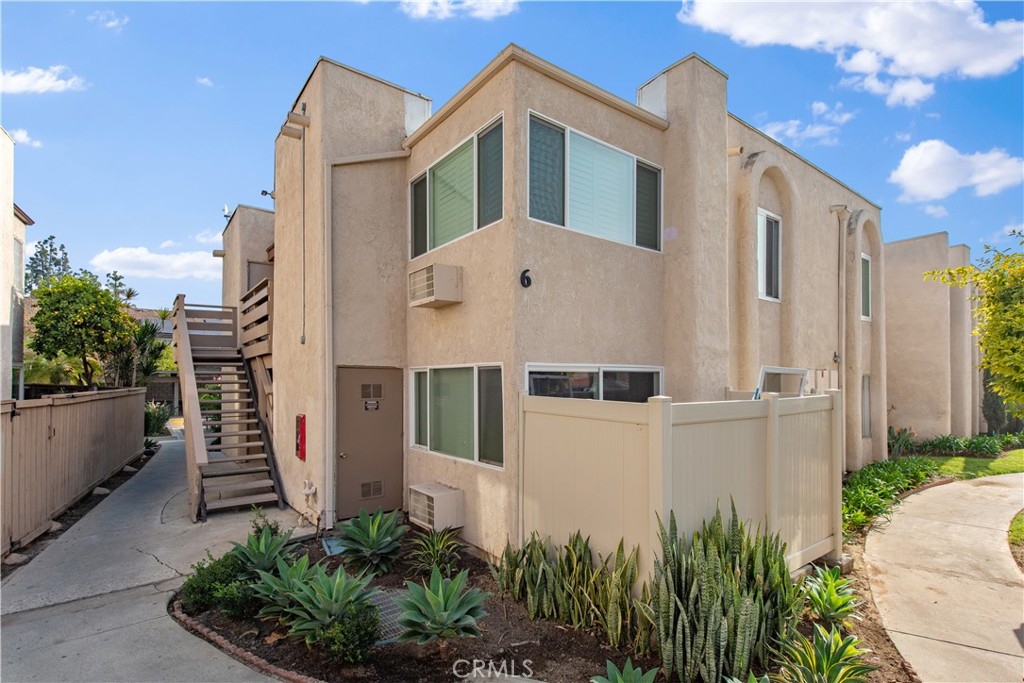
x: 239, y: 653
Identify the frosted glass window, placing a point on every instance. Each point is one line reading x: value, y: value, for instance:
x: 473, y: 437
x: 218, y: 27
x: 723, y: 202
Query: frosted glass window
x: 601, y: 189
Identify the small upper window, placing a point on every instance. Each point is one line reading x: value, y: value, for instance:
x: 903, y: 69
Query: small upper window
x: 769, y: 252
x: 460, y: 193
x: 865, y: 287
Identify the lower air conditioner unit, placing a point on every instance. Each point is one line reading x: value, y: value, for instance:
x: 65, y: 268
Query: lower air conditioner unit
x: 435, y: 506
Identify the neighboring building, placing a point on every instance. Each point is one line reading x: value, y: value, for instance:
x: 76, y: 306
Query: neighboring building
x: 247, y: 251
x: 540, y: 235
x: 934, y: 381
x: 13, y: 222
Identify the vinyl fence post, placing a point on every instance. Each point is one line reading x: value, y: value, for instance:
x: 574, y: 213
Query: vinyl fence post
x: 838, y: 465
x: 659, y: 464
x: 771, y: 465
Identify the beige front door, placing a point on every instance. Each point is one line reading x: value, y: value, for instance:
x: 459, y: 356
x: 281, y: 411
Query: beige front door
x: 369, y: 440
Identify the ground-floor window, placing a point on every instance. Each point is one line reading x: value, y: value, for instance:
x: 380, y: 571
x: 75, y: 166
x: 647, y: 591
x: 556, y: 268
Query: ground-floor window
x: 457, y: 411
x: 606, y: 383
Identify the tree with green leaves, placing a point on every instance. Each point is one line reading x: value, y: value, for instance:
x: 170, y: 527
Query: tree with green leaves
x: 999, y: 282
x: 81, y: 319
x: 49, y: 260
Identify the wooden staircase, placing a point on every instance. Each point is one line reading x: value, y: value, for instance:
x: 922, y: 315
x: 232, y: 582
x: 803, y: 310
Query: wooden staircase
x: 228, y: 448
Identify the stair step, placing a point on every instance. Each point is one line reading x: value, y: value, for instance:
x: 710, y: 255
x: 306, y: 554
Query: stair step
x: 221, y: 423
x: 242, y: 501
x: 233, y: 446
x: 236, y: 458
x: 233, y: 471
x: 217, y: 364
x: 225, y: 400
x: 248, y: 432
x: 241, y: 411
x: 244, y: 390
x: 239, y: 486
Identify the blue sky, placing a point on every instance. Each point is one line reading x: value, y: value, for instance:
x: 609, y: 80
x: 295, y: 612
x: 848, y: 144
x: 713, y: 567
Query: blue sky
x: 137, y: 122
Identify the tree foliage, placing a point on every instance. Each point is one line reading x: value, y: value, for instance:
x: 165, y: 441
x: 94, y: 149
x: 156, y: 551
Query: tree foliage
x: 81, y: 319
x: 50, y: 260
x: 999, y: 282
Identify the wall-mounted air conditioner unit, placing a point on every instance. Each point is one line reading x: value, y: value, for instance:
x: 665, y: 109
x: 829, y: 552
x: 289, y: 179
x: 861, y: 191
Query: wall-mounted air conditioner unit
x: 435, y: 506
x: 435, y: 286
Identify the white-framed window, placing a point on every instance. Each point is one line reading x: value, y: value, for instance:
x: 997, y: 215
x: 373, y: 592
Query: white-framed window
x: 769, y: 255
x: 584, y: 184
x: 865, y: 287
x: 865, y: 406
x: 633, y: 384
x: 460, y: 193
x: 780, y: 380
x: 457, y: 411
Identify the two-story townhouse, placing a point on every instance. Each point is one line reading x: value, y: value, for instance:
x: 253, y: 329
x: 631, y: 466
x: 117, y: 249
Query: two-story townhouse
x: 13, y: 222
x: 579, y: 245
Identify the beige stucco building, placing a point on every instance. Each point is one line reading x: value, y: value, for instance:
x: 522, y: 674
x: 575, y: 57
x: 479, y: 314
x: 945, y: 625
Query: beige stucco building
x: 934, y: 382
x: 540, y: 235
x: 13, y: 222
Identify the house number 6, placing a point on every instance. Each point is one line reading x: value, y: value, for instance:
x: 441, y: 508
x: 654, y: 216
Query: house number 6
x: 524, y: 278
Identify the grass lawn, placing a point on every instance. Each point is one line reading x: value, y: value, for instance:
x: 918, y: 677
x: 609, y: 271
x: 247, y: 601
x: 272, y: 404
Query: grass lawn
x: 1016, y: 538
x: 969, y: 468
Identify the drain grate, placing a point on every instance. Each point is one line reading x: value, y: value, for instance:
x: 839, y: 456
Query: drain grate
x: 384, y: 599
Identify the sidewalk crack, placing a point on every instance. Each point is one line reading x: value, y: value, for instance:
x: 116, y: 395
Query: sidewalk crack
x: 159, y: 561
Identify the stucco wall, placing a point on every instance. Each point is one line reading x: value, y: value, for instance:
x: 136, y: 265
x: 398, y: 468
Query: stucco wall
x: 11, y: 229
x: 918, y: 336
x: 961, y: 352
x: 246, y: 238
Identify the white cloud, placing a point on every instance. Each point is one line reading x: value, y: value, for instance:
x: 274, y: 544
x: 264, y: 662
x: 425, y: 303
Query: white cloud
x: 22, y: 137
x: 35, y: 80
x: 904, y: 41
x: 141, y: 262
x: 447, y: 9
x: 1001, y: 236
x: 935, y: 210
x: 109, y: 19
x: 168, y: 244
x: 30, y: 249
x: 208, y: 237
x: 902, y: 137
x: 822, y: 130
x: 203, y: 80
x: 933, y: 169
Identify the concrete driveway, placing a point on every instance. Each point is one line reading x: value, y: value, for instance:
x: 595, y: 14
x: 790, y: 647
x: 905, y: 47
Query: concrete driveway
x: 944, y: 581
x: 92, y: 605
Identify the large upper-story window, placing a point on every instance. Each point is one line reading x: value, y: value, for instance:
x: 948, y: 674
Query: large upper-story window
x: 769, y: 253
x: 460, y: 193
x: 586, y: 185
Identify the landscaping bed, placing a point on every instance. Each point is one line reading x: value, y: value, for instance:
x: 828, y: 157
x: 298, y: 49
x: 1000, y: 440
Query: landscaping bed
x: 547, y: 650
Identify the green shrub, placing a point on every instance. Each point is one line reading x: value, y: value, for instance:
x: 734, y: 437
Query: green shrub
x: 826, y: 658
x: 155, y: 416
x: 349, y: 639
x: 322, y: 600
x: 443, y: 609
x: 946, y: 444
x: 901, y: 441
x: 629, y: 674
x: 874, y: 490
x: 433, y: 548
x: 983, y: 446
x: 831, y: 598
x: 237, y: 599
x: 261, y: 553
x: 259, y: 521
x: 508, y: 572
x: 574, y: 584
x: 721, y: 603
x: 1012, y: 441
x: 275, y: 591
x: 198, y: 591
x: 371, y: 543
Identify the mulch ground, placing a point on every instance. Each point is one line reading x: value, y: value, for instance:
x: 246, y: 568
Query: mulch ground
x: 72, y: 515
x: 542, y: 649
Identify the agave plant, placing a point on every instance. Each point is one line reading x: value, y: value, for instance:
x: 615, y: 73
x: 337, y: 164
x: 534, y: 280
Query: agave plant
x: 371, y: 542
x: 324, y: 599
x: 830, y: 597
x: 826, y: 658
x: 261, y: 553
x: 435, y: 548
x: 443, y: 609
x: 629, y: 674
x: 276, y: 591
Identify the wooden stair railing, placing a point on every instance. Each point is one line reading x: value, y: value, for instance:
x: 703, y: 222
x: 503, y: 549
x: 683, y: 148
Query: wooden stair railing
x: 196, y: 456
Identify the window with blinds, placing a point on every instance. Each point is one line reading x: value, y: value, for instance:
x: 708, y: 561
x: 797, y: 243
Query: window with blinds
x: 460, y: 193
x: 769, y: 253
x: 458, y: 412
x: 589, y: 186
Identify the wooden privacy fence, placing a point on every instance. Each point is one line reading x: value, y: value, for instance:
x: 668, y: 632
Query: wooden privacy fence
x: 56, y: 449
x: 609, y: 468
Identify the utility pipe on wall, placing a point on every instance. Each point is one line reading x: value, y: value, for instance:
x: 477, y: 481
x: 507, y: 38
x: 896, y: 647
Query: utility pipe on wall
x: 841, y: 213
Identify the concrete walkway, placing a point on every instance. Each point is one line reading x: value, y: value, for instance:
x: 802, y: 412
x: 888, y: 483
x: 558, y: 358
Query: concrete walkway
x: 947, y: 588
x: 93, y: 605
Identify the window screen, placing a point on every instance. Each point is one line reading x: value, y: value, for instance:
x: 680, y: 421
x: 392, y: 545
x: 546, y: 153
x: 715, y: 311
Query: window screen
x: 419, y: 217
x: 489, y: 423
x: 422, y: 400
x: 635, y: 387
x: 451, y: 196
x: 489, y: 176
x: 547, y: 172
x: 648, y: 207
x: 768, y: 255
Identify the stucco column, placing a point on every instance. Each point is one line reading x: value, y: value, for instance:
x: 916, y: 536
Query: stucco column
x: 853, y: 363
x: 744, y: 296
x: 961, y: 386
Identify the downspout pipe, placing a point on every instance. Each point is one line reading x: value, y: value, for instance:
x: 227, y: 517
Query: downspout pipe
x: 842, y: 213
